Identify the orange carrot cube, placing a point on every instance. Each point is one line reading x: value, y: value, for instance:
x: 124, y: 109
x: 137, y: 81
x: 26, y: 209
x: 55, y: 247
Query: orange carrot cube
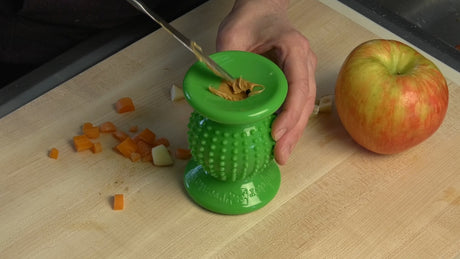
x: 118, y: 202
x: 161, y: 141
x: 107, y: 127
x: 144, y: 149
x: 126, y: 147
x: 97, y: 148
x: 120, y: 135
x: 146, y: 135
x: 124, y: 104
x: 54, y: 153
x: 91, y: 131
x: 135, y: 156
x: 82, y: 142
x: 182, y: 153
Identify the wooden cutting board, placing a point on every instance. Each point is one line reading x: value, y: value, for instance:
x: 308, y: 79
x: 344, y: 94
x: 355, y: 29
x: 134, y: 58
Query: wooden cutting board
x: 336, y: 199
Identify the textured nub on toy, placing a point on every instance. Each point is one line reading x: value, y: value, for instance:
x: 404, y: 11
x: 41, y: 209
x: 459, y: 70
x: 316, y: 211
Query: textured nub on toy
x: 231, y: 152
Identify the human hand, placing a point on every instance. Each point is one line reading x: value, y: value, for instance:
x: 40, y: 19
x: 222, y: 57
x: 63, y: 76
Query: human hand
x: 262, y: 26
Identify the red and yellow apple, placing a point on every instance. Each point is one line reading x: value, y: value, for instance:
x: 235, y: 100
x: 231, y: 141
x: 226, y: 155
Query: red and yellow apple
x: 389, y: 97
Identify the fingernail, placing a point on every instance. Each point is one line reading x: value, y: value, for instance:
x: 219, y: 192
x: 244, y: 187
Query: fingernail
x: 278, y: 134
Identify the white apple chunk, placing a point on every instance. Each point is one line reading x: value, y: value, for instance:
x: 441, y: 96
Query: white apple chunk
x: 323, y: 105
x: 177, y: 93
x: 161, y: 156
x: 315, y: 110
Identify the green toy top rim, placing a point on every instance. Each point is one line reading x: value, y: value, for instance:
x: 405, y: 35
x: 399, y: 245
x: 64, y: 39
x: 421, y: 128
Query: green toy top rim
x: 250, y: 66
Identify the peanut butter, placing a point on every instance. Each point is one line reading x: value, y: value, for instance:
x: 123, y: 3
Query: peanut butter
x: 237, y: 90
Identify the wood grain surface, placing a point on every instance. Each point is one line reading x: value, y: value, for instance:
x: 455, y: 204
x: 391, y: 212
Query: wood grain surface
x: 336, y: 199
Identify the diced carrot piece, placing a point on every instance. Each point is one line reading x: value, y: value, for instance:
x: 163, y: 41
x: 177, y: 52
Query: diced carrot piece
x: 148, y: 158
x: 144, y: 149
x: 107, y: 127
x: 54, y: 153
x: 120, y: 135
x: 457, y: 47
x: 97, y: 148
x: 161, y: 141
x: 134, y: 128
x: 91, y: 131
x: 126, y: 147
x: 146, y: 135
x: 86, y: 125
x: 82, y: 142
x: 135, y: 156
x: 183, y: 153
x: 118, y: 202
x: 124, y: 104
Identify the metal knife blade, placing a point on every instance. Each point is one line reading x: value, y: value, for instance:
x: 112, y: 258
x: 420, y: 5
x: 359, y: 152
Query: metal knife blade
x: 189, y: 44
